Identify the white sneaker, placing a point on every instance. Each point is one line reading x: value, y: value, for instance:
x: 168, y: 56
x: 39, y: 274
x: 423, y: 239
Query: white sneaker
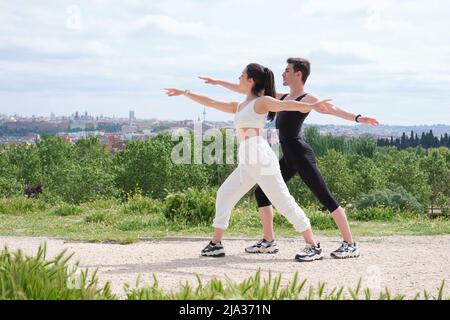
x: 263, y: 246
x: 345, y: 251
x: 310, y: 253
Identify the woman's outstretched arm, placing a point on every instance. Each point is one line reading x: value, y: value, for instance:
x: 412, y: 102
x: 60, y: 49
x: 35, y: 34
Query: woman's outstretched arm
x: 228, y: 85
x: 266, y: 104
x: 229, y: 107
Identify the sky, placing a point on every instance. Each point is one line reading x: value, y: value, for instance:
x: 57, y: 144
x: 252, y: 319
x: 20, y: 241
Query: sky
x: 389, y: 59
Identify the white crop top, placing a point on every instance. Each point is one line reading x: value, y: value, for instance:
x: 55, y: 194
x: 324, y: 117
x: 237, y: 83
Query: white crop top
x: 248, y: 118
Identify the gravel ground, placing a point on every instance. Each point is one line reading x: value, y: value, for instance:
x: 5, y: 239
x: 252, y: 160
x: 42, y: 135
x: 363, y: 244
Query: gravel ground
x: 404, y: 264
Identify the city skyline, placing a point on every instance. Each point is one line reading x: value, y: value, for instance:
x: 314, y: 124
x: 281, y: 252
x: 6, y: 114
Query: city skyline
x: 202, y: 116
x: 109, y: 57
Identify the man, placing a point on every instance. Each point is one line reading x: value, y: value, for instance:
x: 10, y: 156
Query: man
x: 298, y: 157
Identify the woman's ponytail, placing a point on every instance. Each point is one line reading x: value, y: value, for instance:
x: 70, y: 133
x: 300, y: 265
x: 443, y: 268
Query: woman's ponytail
x: 264, y: 83
x: 269, y: 90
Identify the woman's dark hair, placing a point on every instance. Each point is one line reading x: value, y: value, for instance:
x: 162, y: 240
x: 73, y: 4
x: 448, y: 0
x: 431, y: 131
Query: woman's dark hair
x: 264, y: 83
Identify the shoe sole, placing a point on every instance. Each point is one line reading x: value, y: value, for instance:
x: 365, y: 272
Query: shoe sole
x: 315, y: 259
x: 220, y: 255
x: 262, y: 252
x: 346, y: 257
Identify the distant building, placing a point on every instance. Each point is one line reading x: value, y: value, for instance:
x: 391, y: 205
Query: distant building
x: 132, y: 116
x: 83, y: 125
x: 115, y: 143
x: 129, y: 129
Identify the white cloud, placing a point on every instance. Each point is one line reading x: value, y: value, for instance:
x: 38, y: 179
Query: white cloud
x: 178, y: 28
x: 354, y: 45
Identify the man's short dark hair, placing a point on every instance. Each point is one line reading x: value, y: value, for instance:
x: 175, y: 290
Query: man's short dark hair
x: 302, y: 65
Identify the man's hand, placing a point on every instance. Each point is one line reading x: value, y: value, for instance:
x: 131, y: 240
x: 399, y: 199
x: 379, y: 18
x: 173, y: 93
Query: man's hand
x: 209, y: 80
x: 367, y: 120
x: 323, y: 106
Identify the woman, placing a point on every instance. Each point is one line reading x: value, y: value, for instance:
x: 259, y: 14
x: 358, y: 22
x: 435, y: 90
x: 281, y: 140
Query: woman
x: 258, y: 164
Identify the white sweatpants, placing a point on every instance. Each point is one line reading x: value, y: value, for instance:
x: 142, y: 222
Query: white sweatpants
x: 258, y: 164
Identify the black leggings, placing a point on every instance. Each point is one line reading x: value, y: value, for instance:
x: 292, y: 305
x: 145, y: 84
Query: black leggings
x: 299, y: 157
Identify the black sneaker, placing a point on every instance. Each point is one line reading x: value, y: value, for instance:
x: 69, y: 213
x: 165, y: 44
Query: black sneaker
x: 213, y: 250
x: 345, y: 251
x: 310, y: 253
x: 263, y: 246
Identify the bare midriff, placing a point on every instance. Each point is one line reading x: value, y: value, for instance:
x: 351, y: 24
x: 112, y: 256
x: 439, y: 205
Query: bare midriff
x: 247, y: 133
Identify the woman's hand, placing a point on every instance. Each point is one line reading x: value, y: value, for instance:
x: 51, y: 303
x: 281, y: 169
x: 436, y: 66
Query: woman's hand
x: 209, y: 80
x: 367, y: 120
x: 172, y: 92
x: 229, y: 107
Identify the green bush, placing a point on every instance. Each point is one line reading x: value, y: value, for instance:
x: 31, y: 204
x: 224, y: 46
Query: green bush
x: 375, y: 213
x: 398, y: 199
x: 77, y: 172
x: 65, y: 210
x: 138, y: 204
x: 10, y: 187
x: 20, y: 205
x: 245, y: 216
x: 319, y: 220
x: 101, y: 203
x: 145, y: 165
x: 35, y: 278
x: 338, y: 176
x: 443, y: 202
x: 402, y: 168
x: 301, y: 193
x: 102, y: 217
x: 51, y: 198
x: 322, y: 221
x: 190, y: 207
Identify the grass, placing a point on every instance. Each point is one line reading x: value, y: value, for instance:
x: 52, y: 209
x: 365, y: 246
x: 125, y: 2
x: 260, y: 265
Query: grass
x: 270, y: 288
x: 110, y: 221
x: 31, y: 278
x: 38, y: 278
x: 65, y: 210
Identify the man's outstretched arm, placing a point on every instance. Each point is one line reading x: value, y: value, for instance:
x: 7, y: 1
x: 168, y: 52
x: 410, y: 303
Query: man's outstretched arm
x: 341, y: 113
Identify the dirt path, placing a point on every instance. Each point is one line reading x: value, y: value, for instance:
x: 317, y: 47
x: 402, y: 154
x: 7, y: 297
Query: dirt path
x: 405, y: 264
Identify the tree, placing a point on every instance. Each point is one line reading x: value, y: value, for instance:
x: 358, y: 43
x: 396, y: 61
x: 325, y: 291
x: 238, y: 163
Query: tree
x: 92, y: 171
x: 365, y: 147
x: 24, y: 163
x: 366, y: 174
x: 9, y: 186
x: 436, y: 165
x: 338, y: 176
x: 144, y: 166
x: 402, y: 168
